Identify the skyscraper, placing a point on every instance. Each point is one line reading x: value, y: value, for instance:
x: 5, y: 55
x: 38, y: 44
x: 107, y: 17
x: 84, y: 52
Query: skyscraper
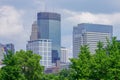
x: 90, y: 34
x: 35, y: 32
x: 49, y: 25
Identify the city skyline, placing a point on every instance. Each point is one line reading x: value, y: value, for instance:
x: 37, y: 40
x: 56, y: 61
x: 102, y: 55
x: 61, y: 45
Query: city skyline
x: 23, y: 13
x: 45, y: 38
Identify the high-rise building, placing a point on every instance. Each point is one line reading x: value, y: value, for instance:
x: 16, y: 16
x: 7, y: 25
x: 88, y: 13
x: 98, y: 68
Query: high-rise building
x: 35, y: 32
x: 43, y: 48
x: 1, y: 52
x: 90, y: 34
x: 9, y: 47
x: 5, y: 48
x: 49, y: 25
x: 65, y: 55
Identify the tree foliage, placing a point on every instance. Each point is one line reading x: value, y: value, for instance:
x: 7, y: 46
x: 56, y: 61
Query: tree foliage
x: 23, y: 65
x: 30, y: 64
x: 81, y: 64
x: 11, y: 70
x: 104, y: 64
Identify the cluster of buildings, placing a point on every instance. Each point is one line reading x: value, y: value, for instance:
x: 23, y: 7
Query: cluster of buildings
x: 45, y: 40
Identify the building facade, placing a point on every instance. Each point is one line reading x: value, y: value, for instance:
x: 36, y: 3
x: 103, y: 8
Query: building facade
x: 43, y: 48
x: 35, y: 31
x: 90, y: 34
x: 1, y: 52
x: 49, y: 25
x: 9, y: 47
x: 4, y: 48
x: 65, y: 55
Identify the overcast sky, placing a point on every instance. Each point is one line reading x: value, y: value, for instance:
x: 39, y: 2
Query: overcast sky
x: 17, y: 16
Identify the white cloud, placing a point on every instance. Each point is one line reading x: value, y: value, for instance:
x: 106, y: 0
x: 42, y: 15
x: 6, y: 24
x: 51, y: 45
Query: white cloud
x: 74, y: 18
x: 10, y: 21
x: 87, y: 17
x: 11, y: 27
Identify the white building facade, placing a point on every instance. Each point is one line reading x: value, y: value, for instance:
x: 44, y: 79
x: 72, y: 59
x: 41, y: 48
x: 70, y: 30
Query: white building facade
x: 43, y: 48
x: 90, y: 34
x: 65, y: 55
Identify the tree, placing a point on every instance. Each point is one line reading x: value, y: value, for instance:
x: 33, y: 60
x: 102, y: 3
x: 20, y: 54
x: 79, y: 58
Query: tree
x: 99, y: 63
x: 81, y: 64
x: 66, y: 74
x: 51, y: 76
x: 113, y: 49
x: 30, y: 64
x: 23, y: 65
x: 11, y: 70
x: 103, y: 65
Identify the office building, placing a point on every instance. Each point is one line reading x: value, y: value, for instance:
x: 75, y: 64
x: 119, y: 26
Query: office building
x: 65, y: 55
x: 49, y: 25
x: 90, y: 34
x: 4, y: 48
x: 43, y: 48
x: 9, y: 47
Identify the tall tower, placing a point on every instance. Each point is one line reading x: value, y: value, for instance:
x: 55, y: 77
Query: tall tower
x: 90, y: 34
x: 49, y: 25
x: 35, y: 31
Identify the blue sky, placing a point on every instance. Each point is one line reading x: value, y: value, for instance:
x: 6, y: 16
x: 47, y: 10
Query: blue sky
x: 17, y: 16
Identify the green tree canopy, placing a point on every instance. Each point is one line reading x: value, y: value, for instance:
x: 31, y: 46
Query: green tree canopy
x: 81, y: 64
x: 23, y: 65
x: 11, y: 70
x: 103, y: 65
x: 30, y: 64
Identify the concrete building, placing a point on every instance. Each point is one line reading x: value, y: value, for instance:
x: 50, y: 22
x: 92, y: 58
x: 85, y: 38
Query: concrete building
x: 35, y: 32
x: 65, y: 55
x: 90, y: 34
x: 43, y: 48
x: 1, y: 52
x: 49, y: 25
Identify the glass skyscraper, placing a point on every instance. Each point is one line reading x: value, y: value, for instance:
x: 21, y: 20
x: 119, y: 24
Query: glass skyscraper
x: 90, y: 34
x: 49, y: 25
